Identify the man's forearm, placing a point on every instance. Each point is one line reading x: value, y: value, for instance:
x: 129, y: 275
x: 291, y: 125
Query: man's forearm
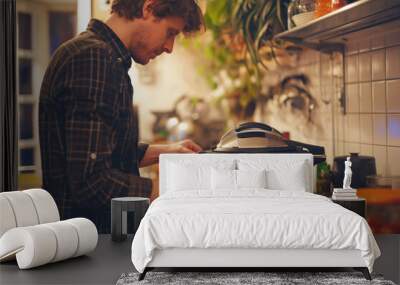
x: 153, y: 153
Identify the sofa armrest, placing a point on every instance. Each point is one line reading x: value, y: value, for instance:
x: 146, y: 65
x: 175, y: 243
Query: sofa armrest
x: 46, y: 243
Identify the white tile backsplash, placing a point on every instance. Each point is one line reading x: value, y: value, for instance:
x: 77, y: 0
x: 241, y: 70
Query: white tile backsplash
x: 364, y: 45
x: 364, y: 66
x: 365, y: 97
x: 340, y: 127
x: 353, y: 128
x: 353, y: 100
x: 340, y: 148
x: 393, y: 161
x: 393, y: 123
x: 393, y: 62
x: 378, y: 41
x: 393, y: 96
x: 380, y: 153
x: 378, y: 64
x: 352, y: 48
x: 366, y: 129
x: 352, y: 148
x: 378, y: 97
x: 367, y: 149
x: 376, y: 60
x: 392, y: 38
x: 371, y: 124
x: 379, y: 129
x: 352, y: 68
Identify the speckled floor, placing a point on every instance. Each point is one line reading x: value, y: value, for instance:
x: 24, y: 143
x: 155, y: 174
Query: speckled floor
x: 242, y: 278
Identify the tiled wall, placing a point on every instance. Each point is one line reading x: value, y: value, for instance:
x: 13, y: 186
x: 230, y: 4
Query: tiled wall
x: 371, y: 125
x: 319, y: 68
x: 372, y: 122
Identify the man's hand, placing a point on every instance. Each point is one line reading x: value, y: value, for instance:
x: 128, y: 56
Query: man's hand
x: 185, y: 146
x: 154, y: 150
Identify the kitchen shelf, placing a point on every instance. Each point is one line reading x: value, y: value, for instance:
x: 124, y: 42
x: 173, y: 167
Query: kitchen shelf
x: 325, y: 33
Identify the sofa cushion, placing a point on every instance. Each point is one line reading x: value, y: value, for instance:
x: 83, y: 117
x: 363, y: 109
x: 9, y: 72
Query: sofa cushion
x: 41, y: 244
x: 31, y: 232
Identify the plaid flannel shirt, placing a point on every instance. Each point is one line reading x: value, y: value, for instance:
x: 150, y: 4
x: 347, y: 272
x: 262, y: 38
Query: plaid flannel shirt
x: 88, y: 130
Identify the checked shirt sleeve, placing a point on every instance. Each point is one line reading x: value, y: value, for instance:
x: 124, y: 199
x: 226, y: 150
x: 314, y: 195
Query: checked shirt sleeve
x: 141, y: 150
x: 90, y: 104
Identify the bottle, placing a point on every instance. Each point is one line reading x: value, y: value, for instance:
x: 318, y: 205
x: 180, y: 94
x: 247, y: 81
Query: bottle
x: 322, y: 7
x: 337, y: 4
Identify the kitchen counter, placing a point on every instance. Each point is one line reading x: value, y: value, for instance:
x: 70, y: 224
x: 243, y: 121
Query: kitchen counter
x: 102, y: 266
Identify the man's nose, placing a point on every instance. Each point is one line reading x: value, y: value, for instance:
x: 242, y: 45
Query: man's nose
x: 169, y: 46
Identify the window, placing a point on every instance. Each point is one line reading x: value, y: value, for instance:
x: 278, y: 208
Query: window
x: 62, y: 28
x: 26, y: 98
x: 25, y: 76
x: 24, y: 31
x: 27, y: 157
x: 42, y: 25
x: 26, y: 121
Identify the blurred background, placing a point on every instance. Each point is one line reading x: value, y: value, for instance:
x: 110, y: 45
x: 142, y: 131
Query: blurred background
x: 345, y: 100
x: 41, y: 27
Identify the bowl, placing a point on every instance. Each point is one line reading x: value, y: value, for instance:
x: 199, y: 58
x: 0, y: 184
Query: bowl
x: 303, y: 18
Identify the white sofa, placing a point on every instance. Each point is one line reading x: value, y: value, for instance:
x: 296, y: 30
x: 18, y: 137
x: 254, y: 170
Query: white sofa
x: 31, y: 231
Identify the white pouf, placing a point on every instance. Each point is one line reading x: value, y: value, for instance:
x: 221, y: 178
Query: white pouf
x: 31, y: 230
x: 45, y: 206
x: 7, y: 218
x: 23, y: 208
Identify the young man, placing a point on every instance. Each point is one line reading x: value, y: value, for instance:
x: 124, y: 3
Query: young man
x: 88, y: 132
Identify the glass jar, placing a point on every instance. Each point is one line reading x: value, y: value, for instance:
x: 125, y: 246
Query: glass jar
x: 300, y: 12
x: 322, y: 7
x: 337, y: 4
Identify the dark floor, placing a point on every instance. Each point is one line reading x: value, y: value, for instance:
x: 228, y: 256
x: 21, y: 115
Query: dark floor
x: 106, y: 264
x: 103, y: 266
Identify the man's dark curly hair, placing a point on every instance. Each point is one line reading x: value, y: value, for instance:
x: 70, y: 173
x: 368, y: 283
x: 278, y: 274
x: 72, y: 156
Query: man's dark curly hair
x: 188, y: 10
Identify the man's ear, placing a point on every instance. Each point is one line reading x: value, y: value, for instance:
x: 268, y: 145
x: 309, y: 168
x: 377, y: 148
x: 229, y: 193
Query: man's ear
x: 147, y: 9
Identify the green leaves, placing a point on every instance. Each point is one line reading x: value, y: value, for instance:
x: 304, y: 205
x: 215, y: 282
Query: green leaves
x: 258, y: 21
x: 242, y: 36
x: 217, y: 15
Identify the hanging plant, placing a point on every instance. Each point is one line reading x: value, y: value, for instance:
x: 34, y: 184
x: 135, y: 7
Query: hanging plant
x: 242, y: 37
x: 254, y: 20
x: 246, y: 28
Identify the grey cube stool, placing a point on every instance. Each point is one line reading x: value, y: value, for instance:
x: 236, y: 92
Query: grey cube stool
x: 119, y: 209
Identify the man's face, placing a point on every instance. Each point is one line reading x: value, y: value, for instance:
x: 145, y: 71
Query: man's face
x: 155, y: 37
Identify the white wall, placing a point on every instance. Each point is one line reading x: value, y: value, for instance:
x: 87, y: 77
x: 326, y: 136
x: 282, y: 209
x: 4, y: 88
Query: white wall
x: 319, y: 130
x: 174, y: 75
x: 372, y: 124
x: 83, y: 15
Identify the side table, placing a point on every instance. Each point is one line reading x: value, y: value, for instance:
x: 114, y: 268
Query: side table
x: 357, y: 205
x: 119, y: 209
